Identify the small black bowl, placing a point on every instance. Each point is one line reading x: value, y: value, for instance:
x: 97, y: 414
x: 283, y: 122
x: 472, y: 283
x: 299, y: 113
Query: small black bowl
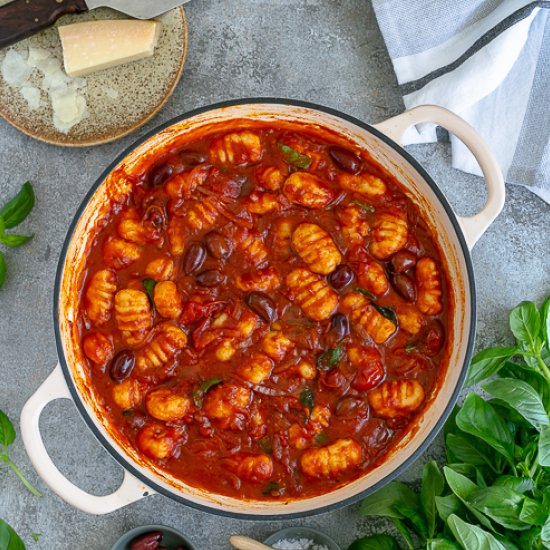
x: 171, y: 538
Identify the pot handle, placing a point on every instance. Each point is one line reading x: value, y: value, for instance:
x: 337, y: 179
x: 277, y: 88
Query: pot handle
x: 472, y: 226
x: 55, y: 387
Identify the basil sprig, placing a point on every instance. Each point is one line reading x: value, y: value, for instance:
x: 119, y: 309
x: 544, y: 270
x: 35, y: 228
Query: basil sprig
x: 294, y: 157
x: 330, y: 358
x: 11, y: 215
x: 202, y: 390
x: 9, y: 539
x: 494, y: 491
x: 18, y: 208
x: 306, y: 399
x: 7, y: 437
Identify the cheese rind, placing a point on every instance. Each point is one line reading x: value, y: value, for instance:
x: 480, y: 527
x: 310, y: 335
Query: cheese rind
x: 95, y: 45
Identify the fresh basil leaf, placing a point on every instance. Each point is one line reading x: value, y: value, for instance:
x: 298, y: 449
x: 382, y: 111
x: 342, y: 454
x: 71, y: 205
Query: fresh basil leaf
x: 529, y: 539
x: 306, y: 399
x: 543, y: 457
x: 461, y: 449
x: 9, y: 539
x: 525, y: 324
x: 382, y: 503
x: 149, y: 285
x: 415, y: 518
x: 402, y: 528
x: 364, y: 206
x: 294, y: 157
x: 545, y: 534
x: 518, y: 484
x: 520, y: 396
x: 500, y: 504
x: 530, y: 375
x: 366, y: 293
x: 533, y: 512
x: 472, y: 537
x: 478, y: 418
x: 36, y: 537
x: 14, y: 241
x: 266, y: 445
x: 329, y: 359
x: 7, y: 431
x: 448, y: 505
x: 433, y: 484
x: 199, y: 394
x: 321, y: 438
x: 375, y: 542
x: 470, y: 471
x: 271, y: 487
x: 2, y: 269
x: 462, y: 487
x: 545, y: 322
x: 387, y: 312
x: 488, y: 362
x: 18, y: 208
x: 442, y: 544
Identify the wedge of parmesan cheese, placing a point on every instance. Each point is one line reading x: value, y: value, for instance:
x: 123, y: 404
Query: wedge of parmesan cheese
x: 95, y: 45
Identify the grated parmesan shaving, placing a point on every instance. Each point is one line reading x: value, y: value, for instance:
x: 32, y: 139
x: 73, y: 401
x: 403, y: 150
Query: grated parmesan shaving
x: 298, y: 544
x: 32, y: 95
x: 66, y: 95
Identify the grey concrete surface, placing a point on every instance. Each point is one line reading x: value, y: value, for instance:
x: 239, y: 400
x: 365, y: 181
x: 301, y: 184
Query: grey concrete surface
x: 325, y: 51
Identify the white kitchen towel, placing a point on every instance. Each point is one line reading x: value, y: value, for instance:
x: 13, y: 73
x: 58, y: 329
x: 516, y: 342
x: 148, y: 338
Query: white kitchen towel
x: 489, y: 62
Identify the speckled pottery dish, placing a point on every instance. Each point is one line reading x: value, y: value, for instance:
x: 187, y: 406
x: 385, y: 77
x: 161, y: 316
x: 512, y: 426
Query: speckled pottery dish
x: 118, y: 100
x: 171, y: 538
x: 297, y: 533
x: 455, y: 236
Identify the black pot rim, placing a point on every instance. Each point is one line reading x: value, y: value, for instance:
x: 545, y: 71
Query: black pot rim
x: 122, y: 460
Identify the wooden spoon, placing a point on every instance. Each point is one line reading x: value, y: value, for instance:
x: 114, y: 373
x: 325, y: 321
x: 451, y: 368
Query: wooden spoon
x: 246, y: 543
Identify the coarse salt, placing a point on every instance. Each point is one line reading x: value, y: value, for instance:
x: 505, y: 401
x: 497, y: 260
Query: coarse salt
x: 298, y: 544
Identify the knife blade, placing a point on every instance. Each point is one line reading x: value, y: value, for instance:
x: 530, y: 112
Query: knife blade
x: 140, y: 9
x: 20, y: 19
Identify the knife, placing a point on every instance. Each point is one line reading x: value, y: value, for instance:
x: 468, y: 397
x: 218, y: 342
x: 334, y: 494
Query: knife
x: 20, y: 19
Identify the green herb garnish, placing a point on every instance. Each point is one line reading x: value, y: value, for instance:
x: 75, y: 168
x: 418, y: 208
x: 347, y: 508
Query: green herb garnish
x: 410, y: 347
x: 149, y: 285
x: 18, y: 208
x: 329, y: 359
x: 36, y: 537
x: 266, y: 445
x: 202, y: 390
x: 321, y: 438
x: 294, y: 157
x: 306, y: 399
x: 7, y: 437
x: 387, y: 312
x: 11, y: 215
x: 494, y: 491
x: 271, y: 487
x: 9, y: 539
x: 366, y: 293
x: 364, y: 206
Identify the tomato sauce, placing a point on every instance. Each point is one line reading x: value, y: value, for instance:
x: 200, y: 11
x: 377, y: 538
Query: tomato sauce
x: 220, y: 367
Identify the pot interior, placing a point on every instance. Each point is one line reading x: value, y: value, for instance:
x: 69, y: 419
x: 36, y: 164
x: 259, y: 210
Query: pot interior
x: 415, y: 183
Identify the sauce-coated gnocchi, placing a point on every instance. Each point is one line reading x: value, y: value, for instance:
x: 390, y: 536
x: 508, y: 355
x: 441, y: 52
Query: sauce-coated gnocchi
x: 266, y: 314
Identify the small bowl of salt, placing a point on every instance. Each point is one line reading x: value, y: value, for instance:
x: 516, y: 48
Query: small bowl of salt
x: 301, y: 538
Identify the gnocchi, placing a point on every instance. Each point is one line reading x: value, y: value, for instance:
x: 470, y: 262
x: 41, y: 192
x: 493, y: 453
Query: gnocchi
x: 429, y: 287
x: 396, y: 398
x: 313, y: 294
x: 100, y: 296
x: 307, y: 190
x: 389, y: 234
x: 316, y: 247
x: 332, y: 460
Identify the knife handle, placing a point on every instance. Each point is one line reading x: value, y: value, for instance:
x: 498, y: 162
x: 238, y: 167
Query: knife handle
x: 22, y: 18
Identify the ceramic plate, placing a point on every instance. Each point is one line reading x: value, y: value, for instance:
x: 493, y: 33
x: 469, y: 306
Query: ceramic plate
x: 118, y: 100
